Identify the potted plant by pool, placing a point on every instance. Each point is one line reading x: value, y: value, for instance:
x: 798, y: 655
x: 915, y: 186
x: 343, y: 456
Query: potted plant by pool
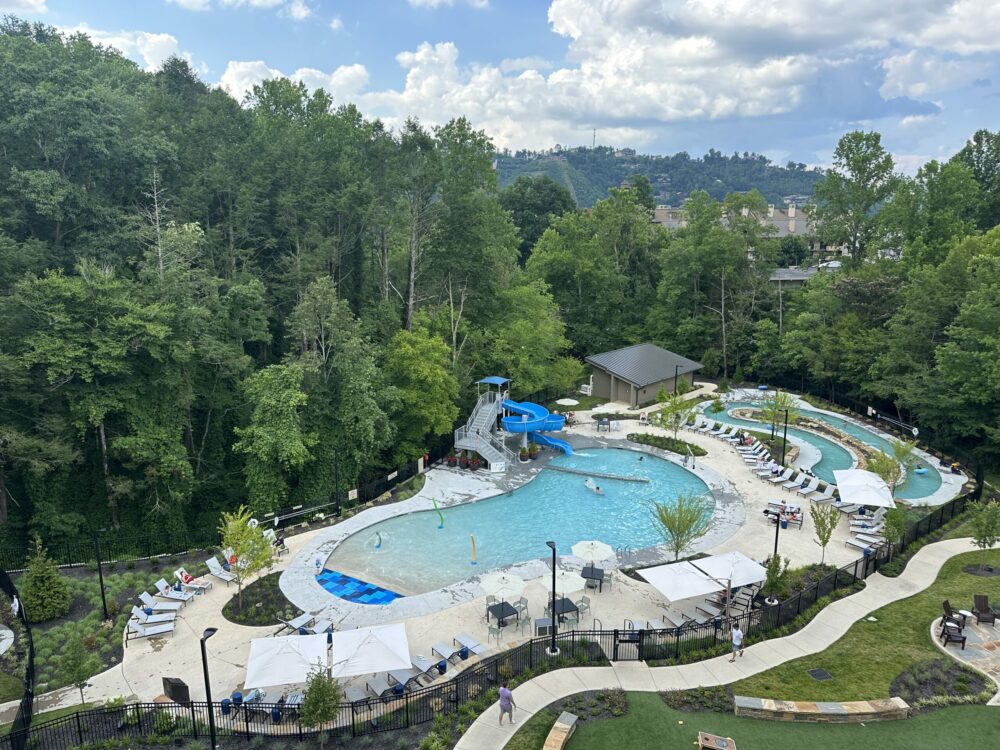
x: 533, y: 450
x: 452, y: 459
x: 474, y: 462
x: 524, y: 455
x: 464, y: 460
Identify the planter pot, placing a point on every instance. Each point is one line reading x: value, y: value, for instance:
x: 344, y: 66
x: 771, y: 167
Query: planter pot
x: 474, y: 465
x: 452, y: 461
x: 534, y: 455
x: 465, y: 463
x: 524, y: 459
x: 770, y: 601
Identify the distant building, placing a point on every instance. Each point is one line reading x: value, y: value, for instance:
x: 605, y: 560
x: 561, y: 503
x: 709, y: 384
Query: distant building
x: 634, y: 375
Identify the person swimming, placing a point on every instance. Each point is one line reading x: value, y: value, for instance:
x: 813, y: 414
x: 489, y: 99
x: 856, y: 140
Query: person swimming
x: 641, y: 457
x: 592, y: 486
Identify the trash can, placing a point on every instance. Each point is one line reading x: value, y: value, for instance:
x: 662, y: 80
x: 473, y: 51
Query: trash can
x: 784, y: 523
x: 463, y: 653
x: 227, y: 706
x: 276, y: 715
x: 442, y: 666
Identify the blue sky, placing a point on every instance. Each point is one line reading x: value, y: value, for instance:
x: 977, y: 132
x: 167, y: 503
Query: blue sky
x: 784, y: 78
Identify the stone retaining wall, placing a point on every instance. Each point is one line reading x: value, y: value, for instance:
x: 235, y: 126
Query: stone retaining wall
x: 822, y: 713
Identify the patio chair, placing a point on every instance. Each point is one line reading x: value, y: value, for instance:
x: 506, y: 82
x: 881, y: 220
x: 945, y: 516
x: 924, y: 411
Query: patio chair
x: 278, y: 546
x: 583, y: 605
x: 606, y: 581
x: 521, y: 605
x: 164, y: 589
x: 143, y: 619
x: 190, y: 583
x: 494, y: 631
x: 216, y: 570
x: 149, y: 602
x: 526, y: 623
x: 983, y: 611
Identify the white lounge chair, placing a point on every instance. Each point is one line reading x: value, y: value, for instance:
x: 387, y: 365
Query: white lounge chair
x: 812, y: 487
x: 197, y: 585
x: 872, y: 541
x: 301, y: 622
x: 755, y: 459
x: 755, y: 447
x: 150, y: 603
x: 794, y: 482
x: 215, y: 569
x: 138, y: 630
x: 825, y: 496
x: 167, y: 592
x: 858, y: 544
x: 708, y: 426
x: 142, y: 618
x: 782, y: 478
x: 728, y: 433
x: 718, y: 430
x: 469, y: 642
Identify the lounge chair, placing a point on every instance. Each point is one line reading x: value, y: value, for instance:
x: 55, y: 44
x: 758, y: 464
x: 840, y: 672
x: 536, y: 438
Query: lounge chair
x: 707, y: 427
x: 467, y: 641
x: 847, y: 508
x: 422, y: 664
x: 378, y: 686
x: 871, y: 541
x: 983, y: 611
x: 149, y: 602
x: 826, y: 496
x: 138, y: 630
x: 726, y: 434
x: 757, y: 449
x: 857, y: 544
x: 143, y: 619
x: 793, y: 483
x: 876, y: 516
x: 302, y: 622
x: 164, y: 589
x: 356, y: 697
x: 950, y: 616
x: 445, y: 651
x: 809, y: 488
x: 755, y: 458
x: 718, y: 430
x: 404, y: 677
x: 320, y: 626
x: 782, y: 477
x: 190, y: 583
x: 215, y: 569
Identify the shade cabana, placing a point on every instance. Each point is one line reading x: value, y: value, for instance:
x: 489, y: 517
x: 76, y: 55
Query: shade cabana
x: 381, y: 648
x: 707, y: 575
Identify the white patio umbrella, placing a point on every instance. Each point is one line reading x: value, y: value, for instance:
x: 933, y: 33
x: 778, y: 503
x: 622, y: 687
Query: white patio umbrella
x: 707, y: 575
x: 502, y: 585
x: 568, y: 581
x: 593, y: 550
x: 859, y: 487
x: 284, y: 661
x: 380, y: 648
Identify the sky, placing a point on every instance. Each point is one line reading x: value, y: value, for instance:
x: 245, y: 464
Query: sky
x: 782, y: 78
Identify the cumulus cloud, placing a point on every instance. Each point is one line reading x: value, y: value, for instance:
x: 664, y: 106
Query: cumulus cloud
x: 343, y: 83
x: 23, y: 6
x: 298, y: 10
x: 439, y: 3
x: 147, y: 48
x: 196, y: 5
x: 336, y: 24
x: 516, y: 64
x: 918, y: 73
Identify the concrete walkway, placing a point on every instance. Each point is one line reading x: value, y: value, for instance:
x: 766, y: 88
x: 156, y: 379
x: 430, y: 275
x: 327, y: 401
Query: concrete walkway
x: 826, y: 628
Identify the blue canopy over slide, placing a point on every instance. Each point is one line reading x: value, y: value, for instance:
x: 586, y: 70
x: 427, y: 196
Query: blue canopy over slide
x: 535, y: 419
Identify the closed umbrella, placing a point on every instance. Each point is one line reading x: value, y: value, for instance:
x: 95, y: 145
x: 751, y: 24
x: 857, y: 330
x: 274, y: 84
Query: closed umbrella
x: 593, y: 550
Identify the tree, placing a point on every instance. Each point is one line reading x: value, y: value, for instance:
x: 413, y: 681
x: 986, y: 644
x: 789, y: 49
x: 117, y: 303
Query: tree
x: 321, y: 702
x: 417, y: 367
x: 772, y: 411
x: 985, y: 526
x: 78, y: 665
x: 44, y: 593
x: 825, y: 519
x: 248, y: 544
x: 776, y: 569
x: 848, y: 200
x: 275, y: 443
x: 533, y: 203
x: 895, y: 527
x: 682, y: 522
x: 982, y: 156
x: 676, y: 411
x: 887, y: 467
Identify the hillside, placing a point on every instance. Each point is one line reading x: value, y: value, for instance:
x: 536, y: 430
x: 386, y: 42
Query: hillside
x: 588, y: 173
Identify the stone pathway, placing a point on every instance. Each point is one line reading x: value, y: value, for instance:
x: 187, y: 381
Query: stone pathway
x: 827, y: 627
x: 981, y: 652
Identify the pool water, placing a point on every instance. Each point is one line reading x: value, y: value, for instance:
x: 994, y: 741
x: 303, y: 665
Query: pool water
x: 416, y: 556
x: 916, y: 485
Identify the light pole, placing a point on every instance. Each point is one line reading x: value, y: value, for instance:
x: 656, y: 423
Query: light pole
x: 553, y: 649
x: 784, y: 439
x: 209, y: 632
x: 336, y: 482
x: 677, y: 369
x: 777, y: 528
x: 100, y: 573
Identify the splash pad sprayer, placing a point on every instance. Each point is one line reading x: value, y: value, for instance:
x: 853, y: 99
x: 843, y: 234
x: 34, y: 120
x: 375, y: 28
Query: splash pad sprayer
x: 440, y: 514
x: 473, y: 538
x: 378, y: 544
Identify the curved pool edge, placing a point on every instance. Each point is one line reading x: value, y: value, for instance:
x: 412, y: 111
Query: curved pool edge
x: 451, y: 487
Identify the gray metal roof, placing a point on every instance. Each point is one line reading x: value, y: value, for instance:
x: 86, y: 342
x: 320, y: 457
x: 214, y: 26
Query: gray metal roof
x: 643, y: 364
x: 793, y: 274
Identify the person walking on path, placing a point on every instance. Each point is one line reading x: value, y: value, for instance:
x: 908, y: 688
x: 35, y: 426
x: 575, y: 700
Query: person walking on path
x: 737, y: 641
x: 507, y: 704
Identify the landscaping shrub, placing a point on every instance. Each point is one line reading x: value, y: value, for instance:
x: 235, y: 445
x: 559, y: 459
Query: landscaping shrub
x: 718, y: 699
x: 932, y: 678
x: 668, y: 444
x: 44, y: 593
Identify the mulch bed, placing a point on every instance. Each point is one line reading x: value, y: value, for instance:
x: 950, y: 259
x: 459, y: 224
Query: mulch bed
x: 263, y: 602
x: 932, y: 677
x: 984, y: 571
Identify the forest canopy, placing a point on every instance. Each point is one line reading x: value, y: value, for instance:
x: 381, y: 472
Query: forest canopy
x: 207, y: 303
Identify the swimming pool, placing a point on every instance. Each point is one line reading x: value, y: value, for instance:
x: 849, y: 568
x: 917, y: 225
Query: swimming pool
x: 836, y: 457
x: 416, y: 556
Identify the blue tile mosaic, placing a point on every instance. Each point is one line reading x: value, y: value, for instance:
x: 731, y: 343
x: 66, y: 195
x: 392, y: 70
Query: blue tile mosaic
x: 354, y: 590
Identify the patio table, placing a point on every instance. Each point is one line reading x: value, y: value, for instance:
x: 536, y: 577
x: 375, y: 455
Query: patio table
x: 594, y: 576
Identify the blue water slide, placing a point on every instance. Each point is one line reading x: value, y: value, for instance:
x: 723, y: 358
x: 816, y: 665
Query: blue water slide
x: 534, y: 418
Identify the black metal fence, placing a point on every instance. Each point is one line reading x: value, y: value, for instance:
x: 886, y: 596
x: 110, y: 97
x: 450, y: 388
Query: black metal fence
x: 24, y: 653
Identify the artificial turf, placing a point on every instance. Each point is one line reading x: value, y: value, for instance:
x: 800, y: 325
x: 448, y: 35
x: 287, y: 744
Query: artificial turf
x: 872, y: 654
x: 650, y: 724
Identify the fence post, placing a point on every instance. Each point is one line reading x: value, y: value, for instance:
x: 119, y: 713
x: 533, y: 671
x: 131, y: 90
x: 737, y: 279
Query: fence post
x: 79, y: 729
x: 406, y: 703
x: 194, y: 721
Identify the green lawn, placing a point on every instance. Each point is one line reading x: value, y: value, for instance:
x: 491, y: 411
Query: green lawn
x: 11, y: 687
x: 872, y: 654
x: 650, y: 724
x: 50, y: 715
x: 532, y: 735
